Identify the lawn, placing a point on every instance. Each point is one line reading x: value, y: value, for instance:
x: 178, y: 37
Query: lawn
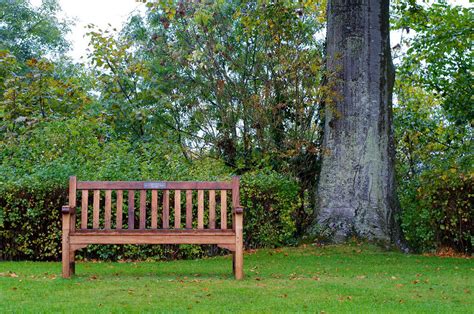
x: 331, y: 279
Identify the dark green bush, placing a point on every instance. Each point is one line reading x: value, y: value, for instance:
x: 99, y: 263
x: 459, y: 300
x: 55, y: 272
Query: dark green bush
x: 438, y: 211
x: 31, y: 226
x: 269, y: 199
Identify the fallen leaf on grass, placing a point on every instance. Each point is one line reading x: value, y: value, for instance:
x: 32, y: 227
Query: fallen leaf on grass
x: 361, y: 277
x: 345, y: 298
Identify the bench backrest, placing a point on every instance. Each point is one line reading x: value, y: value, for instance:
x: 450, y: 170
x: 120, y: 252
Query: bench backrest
x: 152, y: 200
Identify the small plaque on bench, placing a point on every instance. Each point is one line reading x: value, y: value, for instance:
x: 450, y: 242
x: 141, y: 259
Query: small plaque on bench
x: 154, y: 185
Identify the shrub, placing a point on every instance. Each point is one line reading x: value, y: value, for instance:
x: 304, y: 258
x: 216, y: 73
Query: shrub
x: 269, y: 200
x: 31, y: 226
x: 438, y: 211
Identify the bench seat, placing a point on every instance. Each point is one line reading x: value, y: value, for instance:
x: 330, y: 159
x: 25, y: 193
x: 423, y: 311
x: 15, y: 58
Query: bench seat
x: 160, y: 236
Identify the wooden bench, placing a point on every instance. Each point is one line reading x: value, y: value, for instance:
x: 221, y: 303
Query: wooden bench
x: 156, y: 229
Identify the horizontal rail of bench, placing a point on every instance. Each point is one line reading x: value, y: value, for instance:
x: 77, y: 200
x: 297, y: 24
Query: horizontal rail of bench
x: 150, y: 238
x: 153, y: 185
x: 176, y: 232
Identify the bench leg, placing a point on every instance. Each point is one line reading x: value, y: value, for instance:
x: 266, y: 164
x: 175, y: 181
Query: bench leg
x: 238, y: 263
x: 66, y: 258
x: 238, y: 254
x: 66, y: 247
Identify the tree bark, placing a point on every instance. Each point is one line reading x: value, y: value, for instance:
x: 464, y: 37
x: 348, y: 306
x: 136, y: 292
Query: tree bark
x: 356, y: 191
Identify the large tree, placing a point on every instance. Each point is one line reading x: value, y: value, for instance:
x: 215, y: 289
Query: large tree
x: 356, y: 188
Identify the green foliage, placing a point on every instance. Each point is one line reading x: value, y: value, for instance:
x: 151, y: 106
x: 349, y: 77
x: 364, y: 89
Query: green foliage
x: 38, y: 90
x: 30, y: 32
x: 31, y: 226
x: 433, y: 127
x: 440, y: 55
x: 240, y: 77
x: 438, y: 211
x: 270, y: 201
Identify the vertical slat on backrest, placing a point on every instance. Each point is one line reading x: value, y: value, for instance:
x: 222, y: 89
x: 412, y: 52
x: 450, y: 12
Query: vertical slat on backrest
x: 108, y: 209
x: 95, y: 211
x: 177, y: 209
x: 189, y: 209
x: 200, y: 209
x: 142, y: 209
x: 131, y: 209
x: 212, y: 209
x: 84, y: 208
x: 72, y: 201
x: 119, y: 209
x: 223, y: 209
x: 166, y: 209
x: 154, y: 209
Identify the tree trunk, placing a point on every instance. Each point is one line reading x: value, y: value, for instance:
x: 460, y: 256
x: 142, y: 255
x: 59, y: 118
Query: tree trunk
x: 356, y: 192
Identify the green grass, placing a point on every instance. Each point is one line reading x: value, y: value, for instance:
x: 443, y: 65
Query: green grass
x: 332, y: 279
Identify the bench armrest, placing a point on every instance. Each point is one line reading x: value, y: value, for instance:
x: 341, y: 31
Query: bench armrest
x: 238, y: 210
x: 66, y: 209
